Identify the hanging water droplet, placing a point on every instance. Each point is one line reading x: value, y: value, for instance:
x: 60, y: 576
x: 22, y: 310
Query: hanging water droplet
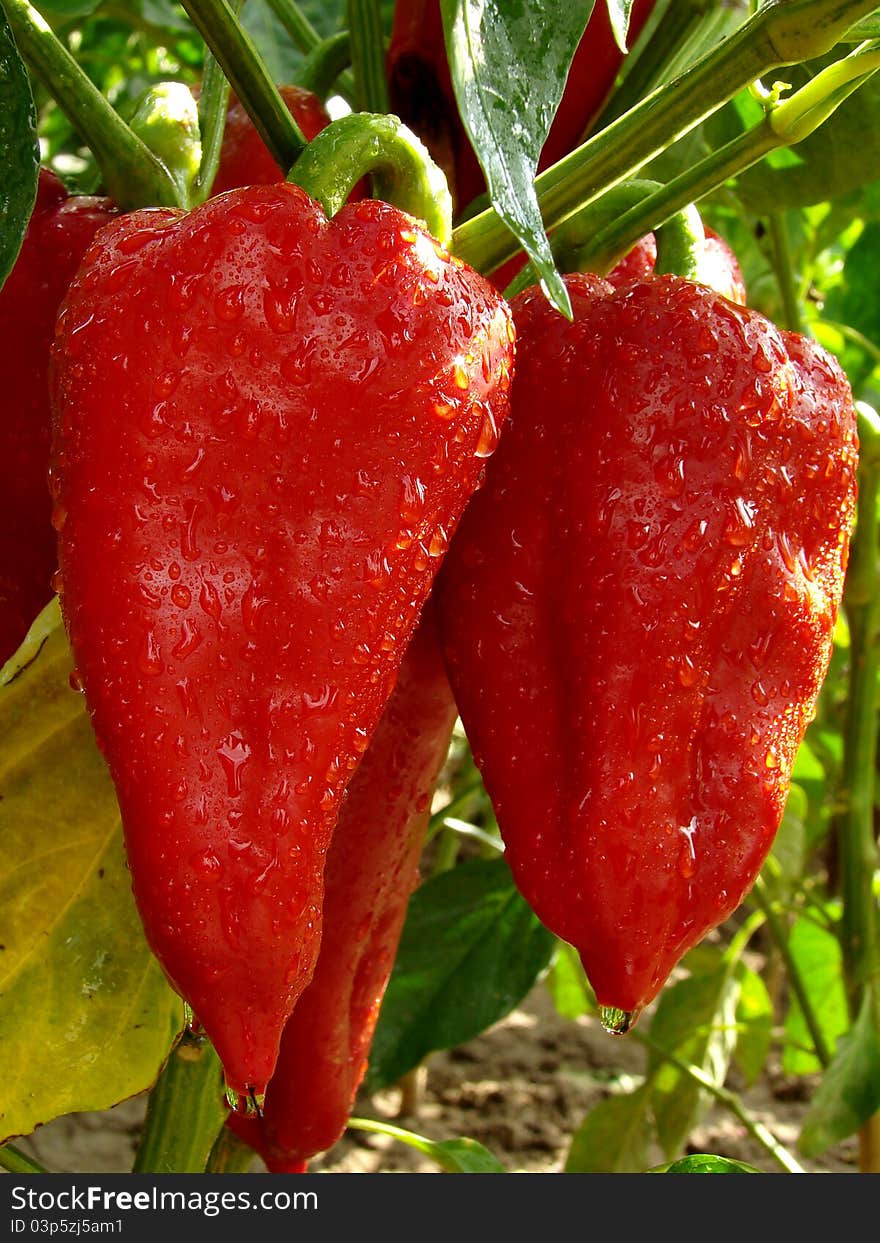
x: 615, y: 1021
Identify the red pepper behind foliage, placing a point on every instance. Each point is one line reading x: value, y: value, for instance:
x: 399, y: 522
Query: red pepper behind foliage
x: 267, y: 426
x: 637, y: 611
x: 372, y: 868
x: 245, y: 160
x: 422, y: 94
x: 60, y: 230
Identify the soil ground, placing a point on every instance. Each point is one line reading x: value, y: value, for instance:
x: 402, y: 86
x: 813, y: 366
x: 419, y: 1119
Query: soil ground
x: 521, y: 1089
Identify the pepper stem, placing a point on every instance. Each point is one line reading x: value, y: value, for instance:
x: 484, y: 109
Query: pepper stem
x: 364, y: 143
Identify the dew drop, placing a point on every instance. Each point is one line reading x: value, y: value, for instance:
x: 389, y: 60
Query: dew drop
x: 615, y: 1021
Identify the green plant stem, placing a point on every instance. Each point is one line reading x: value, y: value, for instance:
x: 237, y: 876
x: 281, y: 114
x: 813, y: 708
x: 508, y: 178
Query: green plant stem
x: 777, y: 931
x: 729, y: 1100
x: 364, y: 143
x: 855, y: 827
x: 185, y: 1112
x: 776, y: 35
x: 455, y: 805
x: 784, y: 124
x: 251, y: 80
x: 297, y: 25
x: 132, y: 175
x: 857, y: 338
x: 367, y: 56
x: 17, y: 1162
x: 230, y: 1155
x: 213, y: 105
x: 783, y: 267
x: 324, y: 65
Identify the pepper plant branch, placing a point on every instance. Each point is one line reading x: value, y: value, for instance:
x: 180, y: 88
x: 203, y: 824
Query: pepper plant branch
x: 213, y: 105
x: 367, y: 56
x: 856, y: 840
x: 777, y: 34
x: 729, y: 1100
x: 783, y: 125
x: 323, y: 67
x: 185, y: 1112
x: 777, y: 931
x: 132, y: 175
x: 784, y: 272
x: 250, y: 78
x: 297, y: 25
x: 16, y: 1162
x: 230, y: 1155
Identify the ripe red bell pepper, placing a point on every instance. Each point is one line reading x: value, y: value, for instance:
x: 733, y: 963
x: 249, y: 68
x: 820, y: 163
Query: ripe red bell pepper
x: 638, y: 609
x: 266, y: 428
x: 60, y: 229
x: 245, y: 160
x: 372, y: 867
x: 421, y: 89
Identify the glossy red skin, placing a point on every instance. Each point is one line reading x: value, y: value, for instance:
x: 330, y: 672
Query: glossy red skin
x: 57, y: 236
x: 372, y: 867
x: 422, y: 95
x: 719, y: 267
x: 245, y: 159
x: 266, y: 428
x: 638, y: 608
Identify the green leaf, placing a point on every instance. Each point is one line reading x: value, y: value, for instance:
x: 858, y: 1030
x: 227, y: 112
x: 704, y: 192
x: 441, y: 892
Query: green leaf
x: 754, y: 1020
x: 466, y: 1156
x: 509, y: 65
x: 707, y: 1163
x: 789, y: 846
x: 849, y: 1093
x: 19, y: 150
x: 695, y: 1020
x: 471, y: 949
x: 614, y: 1136
x: 568, y: 986
x: 86, y: 1017
x: 817, y: 955
x: 620, y: 11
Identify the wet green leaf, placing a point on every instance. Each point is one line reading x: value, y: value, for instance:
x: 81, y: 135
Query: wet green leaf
x: 471, y: 949
x: 707, y: 1163
x: 19, y: 151
x: 509, y: 65
x: 86, y: 1017
x: 849, y: 1093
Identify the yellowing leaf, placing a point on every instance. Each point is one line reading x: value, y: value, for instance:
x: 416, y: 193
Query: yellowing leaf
x: 86, y: 1017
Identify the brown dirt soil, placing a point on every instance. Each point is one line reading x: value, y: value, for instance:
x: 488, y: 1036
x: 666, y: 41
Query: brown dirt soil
x: 521, y: 1089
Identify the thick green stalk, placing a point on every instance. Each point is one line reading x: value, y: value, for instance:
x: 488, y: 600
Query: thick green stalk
x: 17, y: 1162
x: 367, y: 56
x: 297, y: 25
x: 213, y: 105
x: 323, y: 66
x: 132, y: 175
x: 778, y: 34
x: 856, y: 834
x: 185, y: 1113
x: 783, y: 268
x: 230, y: 1155
x: 251, y: 80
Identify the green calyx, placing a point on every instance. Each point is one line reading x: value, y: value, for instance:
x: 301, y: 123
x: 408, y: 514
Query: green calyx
x: 404, y: 173
x: 166, y: 119
x: 585, y: 242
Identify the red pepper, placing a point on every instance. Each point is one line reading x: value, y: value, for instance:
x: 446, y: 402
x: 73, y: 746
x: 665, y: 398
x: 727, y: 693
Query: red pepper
x: 422, y: 94
x: 267, y: 426
x: 245, y: 159
x: 372, y: 868
x: 58, y: 234
x: 638, y: 610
